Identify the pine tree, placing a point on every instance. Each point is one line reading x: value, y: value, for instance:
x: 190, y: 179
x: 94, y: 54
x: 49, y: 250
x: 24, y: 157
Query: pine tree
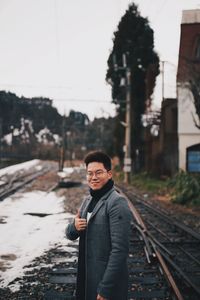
x: 135, y: 39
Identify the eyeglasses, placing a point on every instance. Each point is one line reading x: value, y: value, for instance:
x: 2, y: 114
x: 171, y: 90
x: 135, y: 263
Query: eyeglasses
x: 97, y: 174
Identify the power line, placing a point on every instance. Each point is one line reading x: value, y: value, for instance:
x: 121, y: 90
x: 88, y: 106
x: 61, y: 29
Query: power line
x: 31, y: 86
x: 35, y: 86
x: 81, y: 100
x: 159, y: 9
x: 77, y: 100
x: 54, y: 98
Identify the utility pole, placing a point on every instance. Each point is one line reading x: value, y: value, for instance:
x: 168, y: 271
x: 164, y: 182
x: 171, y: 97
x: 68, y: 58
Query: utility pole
x: 127, y: 124
x: 63, y: 146
x: 127, y: 157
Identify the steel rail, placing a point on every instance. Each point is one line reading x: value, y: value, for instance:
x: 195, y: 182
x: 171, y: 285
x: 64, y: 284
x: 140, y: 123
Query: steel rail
x: 15, y: 185
x: 178, y: 225
x: 165, y: 251
x: 143, y: 230
x: 179, y: 270
x: 190, y: 256
x: 183, y: 227
x: 171, y: 241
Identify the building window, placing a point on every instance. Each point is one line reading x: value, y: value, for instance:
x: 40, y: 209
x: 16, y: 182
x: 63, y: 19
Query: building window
x: 193, y: 159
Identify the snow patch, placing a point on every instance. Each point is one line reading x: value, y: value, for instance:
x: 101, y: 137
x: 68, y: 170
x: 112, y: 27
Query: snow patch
x: 18, y: 167
x: 27, y: 237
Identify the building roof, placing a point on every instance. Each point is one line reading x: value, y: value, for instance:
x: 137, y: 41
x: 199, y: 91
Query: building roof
x: 190, y: 16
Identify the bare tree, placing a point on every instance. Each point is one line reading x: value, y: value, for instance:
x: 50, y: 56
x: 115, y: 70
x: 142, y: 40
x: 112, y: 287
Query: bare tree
x: 193, y: 73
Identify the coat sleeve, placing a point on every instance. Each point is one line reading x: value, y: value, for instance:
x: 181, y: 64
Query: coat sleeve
x: 119, y: 222
x: 71, y: 232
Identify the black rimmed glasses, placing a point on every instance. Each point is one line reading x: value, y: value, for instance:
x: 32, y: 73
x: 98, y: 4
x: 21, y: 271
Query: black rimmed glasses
x: 98, y: 174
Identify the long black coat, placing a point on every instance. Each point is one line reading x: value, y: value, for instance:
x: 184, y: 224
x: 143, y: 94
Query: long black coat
x: 106, y: 247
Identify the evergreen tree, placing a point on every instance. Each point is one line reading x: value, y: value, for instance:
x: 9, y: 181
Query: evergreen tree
x: 134, y: 38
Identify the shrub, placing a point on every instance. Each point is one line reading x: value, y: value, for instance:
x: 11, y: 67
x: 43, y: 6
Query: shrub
x: 185, y: 188
x: 148, y: 182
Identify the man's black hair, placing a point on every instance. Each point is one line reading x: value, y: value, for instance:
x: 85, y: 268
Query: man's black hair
x: 98, y: 156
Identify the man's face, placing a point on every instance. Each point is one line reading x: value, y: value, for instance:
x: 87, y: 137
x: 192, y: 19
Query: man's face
x: 97, y: 175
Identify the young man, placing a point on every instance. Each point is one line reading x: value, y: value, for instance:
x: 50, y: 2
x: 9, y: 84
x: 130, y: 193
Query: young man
x: 103, y: 225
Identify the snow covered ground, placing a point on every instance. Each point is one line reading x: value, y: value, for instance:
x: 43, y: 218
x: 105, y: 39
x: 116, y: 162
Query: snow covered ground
x: 25, y: 236
x: 20, y: 167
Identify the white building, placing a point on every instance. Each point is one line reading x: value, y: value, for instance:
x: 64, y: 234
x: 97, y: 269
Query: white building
x: 189, y: 60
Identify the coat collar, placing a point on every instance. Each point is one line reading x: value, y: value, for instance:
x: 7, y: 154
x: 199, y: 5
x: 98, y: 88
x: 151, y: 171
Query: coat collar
x: 98, y: 205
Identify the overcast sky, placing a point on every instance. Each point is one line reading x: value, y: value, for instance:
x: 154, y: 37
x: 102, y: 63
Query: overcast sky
x: 59, y: 48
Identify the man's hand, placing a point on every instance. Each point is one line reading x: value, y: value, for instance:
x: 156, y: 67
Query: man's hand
x: 79, y: 223
x: 100, y: 298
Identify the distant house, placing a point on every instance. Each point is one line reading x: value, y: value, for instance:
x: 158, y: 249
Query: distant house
x: 161, y: 155
x: 189, y: 62
x: 168, y: 139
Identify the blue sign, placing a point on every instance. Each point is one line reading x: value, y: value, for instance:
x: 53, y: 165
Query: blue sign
x: 193, y: 161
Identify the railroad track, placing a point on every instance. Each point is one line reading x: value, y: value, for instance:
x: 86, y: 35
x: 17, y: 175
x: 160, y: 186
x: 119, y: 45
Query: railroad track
x: 148, y: 277
x: 151, y: 276
x: 178, y: 245
x: 13, y: 182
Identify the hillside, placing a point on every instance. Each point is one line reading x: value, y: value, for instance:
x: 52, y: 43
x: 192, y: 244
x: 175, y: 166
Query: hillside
x: 33, y: 128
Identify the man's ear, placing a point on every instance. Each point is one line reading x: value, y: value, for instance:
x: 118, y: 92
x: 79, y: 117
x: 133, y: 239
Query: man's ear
x: 110, y: 174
